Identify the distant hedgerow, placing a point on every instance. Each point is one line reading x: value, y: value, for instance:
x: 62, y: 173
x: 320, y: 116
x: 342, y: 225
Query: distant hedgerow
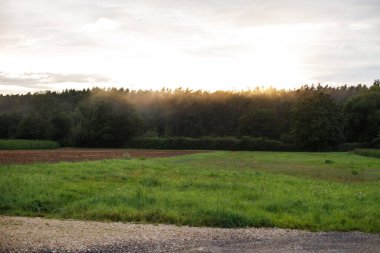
x: 210, y: 143
x: 13, y: 144
x: 368, y: 152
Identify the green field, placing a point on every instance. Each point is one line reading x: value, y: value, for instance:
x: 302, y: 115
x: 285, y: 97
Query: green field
x: 314, y: 191
x: 13, y: 144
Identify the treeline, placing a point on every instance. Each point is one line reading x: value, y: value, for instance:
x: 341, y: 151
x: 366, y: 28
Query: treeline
x: 310, y: 118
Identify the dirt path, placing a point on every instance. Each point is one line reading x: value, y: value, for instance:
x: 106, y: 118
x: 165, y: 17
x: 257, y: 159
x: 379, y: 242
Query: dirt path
x: 81, y: 154
x: 20, y: 234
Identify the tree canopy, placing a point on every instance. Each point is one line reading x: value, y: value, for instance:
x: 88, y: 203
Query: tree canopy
x: 310, y: 117
x: 316, y: 122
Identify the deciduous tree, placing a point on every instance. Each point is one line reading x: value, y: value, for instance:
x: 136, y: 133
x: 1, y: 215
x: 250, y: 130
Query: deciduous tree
x: 316, y: 121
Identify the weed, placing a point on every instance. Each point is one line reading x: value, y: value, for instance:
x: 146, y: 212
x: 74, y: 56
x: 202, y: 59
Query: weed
x: 127, y: 157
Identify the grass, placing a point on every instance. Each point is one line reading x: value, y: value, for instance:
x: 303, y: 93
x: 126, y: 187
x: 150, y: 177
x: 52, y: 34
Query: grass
x: 219, y: 189
x: 368, y: 152
x: 13, y: 144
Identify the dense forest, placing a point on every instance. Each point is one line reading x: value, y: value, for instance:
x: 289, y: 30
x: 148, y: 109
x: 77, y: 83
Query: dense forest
x: 309, y: 118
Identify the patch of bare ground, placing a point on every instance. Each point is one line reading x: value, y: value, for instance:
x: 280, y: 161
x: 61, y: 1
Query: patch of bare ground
x: 21, y: 234
x: 81, y: 154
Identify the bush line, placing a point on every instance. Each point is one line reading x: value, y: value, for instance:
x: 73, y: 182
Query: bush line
x: 210, y: 143
x: 368, y: 152
x: 13, y: 144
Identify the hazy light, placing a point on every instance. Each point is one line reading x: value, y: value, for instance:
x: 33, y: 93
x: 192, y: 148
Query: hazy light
x: 102, y: 24
x: 149, y: 45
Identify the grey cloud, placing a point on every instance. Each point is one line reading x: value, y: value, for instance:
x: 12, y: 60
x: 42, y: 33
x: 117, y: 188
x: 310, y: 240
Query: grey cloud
x: 300, y: 11
x: 51, y: 27
x: 351, y: 75
x: 167, y: 19
x: 224, y: 51
x: 139, y: 12
x: 43, y: 79
x: 261, y: 12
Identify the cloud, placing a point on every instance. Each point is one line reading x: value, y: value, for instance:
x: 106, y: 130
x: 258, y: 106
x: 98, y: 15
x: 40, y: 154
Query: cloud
x: 219, y: 51
x: 102, y: 24
x: 127, y: 39
x: 44, y: 80
x: 350, y: 75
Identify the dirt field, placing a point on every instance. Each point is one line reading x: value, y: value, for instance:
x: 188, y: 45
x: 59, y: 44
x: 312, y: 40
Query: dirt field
x: 21, y: 234
x: 80, y: 154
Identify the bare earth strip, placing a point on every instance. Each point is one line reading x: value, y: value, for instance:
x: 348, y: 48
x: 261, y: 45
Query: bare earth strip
x: 81, y: 154
x: 21, y: 234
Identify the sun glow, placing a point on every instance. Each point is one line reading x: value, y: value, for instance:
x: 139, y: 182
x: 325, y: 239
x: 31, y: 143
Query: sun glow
x: 227, y: 59
x: 232, y: 60
x: 278, y: 57
x: 232, y: 45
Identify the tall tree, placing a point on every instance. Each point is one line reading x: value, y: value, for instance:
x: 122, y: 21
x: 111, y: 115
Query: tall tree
x: 316, y: 121
x: 60, y: 128
x: 108, y: 121
x: 362, y: 115
x: 260, y: 123
x: 33, y: 126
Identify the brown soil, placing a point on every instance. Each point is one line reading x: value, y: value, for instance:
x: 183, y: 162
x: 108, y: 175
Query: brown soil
x: 80, y: 154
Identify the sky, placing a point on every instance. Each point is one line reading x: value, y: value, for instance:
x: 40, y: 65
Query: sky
x: 196, y: 44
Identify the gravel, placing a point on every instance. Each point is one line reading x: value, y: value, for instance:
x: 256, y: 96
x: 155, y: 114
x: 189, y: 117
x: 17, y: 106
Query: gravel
x: 22, y: 234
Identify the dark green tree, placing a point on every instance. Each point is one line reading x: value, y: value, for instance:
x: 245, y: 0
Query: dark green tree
x: 33, y: 126
x: 179, y: 112
x: 375, y: 143
x: 259, y: 123
x: 362, y: 116
x: 316, y: 122
x: 108, y: 121
x: 8, y: 125
x: 60, y: 127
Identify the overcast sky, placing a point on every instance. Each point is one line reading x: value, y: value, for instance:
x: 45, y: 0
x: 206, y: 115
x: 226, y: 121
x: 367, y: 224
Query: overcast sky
x: 200, y: 44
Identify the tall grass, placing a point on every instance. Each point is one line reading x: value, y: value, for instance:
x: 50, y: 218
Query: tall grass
x: 220, y: 189
x: 13, y: 144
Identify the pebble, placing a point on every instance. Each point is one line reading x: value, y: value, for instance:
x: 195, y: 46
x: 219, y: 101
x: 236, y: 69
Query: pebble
x: 23, y: 234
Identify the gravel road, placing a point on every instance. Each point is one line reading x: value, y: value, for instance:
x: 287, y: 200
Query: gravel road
x: 21, y: 234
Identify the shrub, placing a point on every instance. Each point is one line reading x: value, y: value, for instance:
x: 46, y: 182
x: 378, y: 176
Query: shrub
x: 375, y: 143
x: 210, y: 143
x: 250, y: 143
x: 344, y: 147
x: 27, y: 144
x: 368, y: 152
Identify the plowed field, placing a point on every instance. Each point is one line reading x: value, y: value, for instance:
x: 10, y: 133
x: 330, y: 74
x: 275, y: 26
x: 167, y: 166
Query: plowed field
x: 79, y: 154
